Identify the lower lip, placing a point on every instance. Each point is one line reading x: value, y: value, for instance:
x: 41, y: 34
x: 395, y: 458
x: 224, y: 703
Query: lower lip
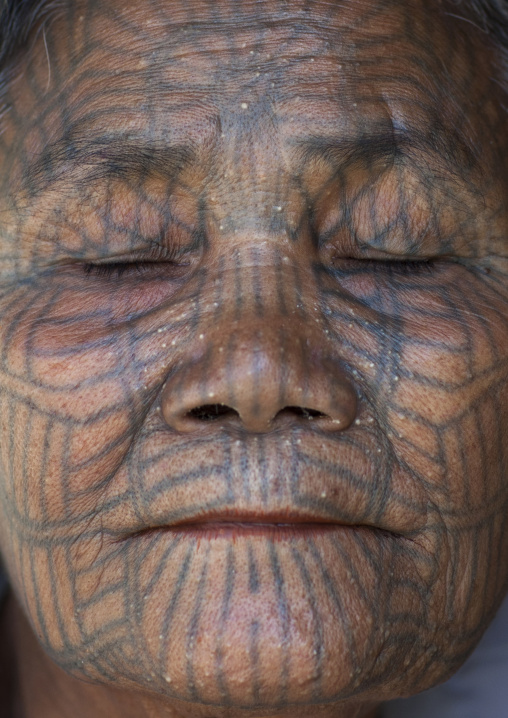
x: 239, y: 529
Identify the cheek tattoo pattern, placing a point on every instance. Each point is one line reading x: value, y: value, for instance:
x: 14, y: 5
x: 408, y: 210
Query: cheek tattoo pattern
x: 254, y: 347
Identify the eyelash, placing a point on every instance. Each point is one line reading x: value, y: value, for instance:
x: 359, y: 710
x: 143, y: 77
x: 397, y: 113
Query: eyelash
x: 116, y: 270
x: 388, y: 267
x: 424, y: 266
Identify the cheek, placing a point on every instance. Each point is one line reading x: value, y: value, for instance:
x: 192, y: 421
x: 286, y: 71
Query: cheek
x: 431, y: 360
x: 68, y: 387
x: 448, y: 407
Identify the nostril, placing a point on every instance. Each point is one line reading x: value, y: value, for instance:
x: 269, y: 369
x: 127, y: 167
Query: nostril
x: 211, y: 412
x: 303, y: 412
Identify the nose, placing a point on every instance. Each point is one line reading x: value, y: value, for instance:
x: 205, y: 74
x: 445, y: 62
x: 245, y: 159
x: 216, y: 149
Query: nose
x: 259, y: 371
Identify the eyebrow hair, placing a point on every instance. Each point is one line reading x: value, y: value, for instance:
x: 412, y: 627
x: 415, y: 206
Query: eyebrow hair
x: 84, y: 160
x: 453, y: 156
x: 79, y: 161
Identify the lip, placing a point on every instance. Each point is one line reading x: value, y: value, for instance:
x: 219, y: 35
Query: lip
x: 282, y: 525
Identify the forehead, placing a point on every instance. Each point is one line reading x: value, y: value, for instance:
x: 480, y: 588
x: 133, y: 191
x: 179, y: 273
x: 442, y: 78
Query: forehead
x: 221, y: 65
x: 242, y: 86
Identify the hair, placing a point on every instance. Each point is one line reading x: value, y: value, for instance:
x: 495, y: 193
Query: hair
x: 17, y: 20
x: 19, y: 17
x: 492, y: 16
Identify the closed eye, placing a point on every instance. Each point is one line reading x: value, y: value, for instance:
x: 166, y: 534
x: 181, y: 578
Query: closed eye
x: 411, y: 267
x: 116, y: 270
x: 158, y: 258
x: 385, y: 266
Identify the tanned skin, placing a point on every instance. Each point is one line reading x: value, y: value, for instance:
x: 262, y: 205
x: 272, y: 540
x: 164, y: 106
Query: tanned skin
x: 253, y: 356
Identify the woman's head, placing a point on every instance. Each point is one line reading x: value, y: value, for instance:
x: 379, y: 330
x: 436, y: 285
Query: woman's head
x: 254, y: 347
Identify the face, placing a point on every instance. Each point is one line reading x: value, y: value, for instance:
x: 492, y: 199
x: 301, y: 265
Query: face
x: 254, y: 349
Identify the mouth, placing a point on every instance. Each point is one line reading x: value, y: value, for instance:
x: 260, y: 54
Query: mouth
x: 266, y: 525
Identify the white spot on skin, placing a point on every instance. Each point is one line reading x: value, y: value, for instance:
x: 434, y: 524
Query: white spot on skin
x: 358, y: 422
x: 201, y: 336
x: 173, y: 343
x: 211, y: 395
x: 323, y: 495
x: 244, y: 105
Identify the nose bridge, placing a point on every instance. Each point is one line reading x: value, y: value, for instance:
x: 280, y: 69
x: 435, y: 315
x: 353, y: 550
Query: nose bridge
x: 265, y: 330
x: 264, y: 316
x: 259, y: 282
x: 265, y: 356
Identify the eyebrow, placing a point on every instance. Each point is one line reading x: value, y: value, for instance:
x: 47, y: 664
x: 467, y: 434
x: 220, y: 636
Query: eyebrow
x: 78, y: 162
x: 453, y: 157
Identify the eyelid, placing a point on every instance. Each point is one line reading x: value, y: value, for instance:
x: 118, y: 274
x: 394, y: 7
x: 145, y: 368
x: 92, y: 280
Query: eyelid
x: 122, y: 264
x: 155, y: 253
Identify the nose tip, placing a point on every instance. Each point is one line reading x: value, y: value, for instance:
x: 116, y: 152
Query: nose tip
x: 256, y: 390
